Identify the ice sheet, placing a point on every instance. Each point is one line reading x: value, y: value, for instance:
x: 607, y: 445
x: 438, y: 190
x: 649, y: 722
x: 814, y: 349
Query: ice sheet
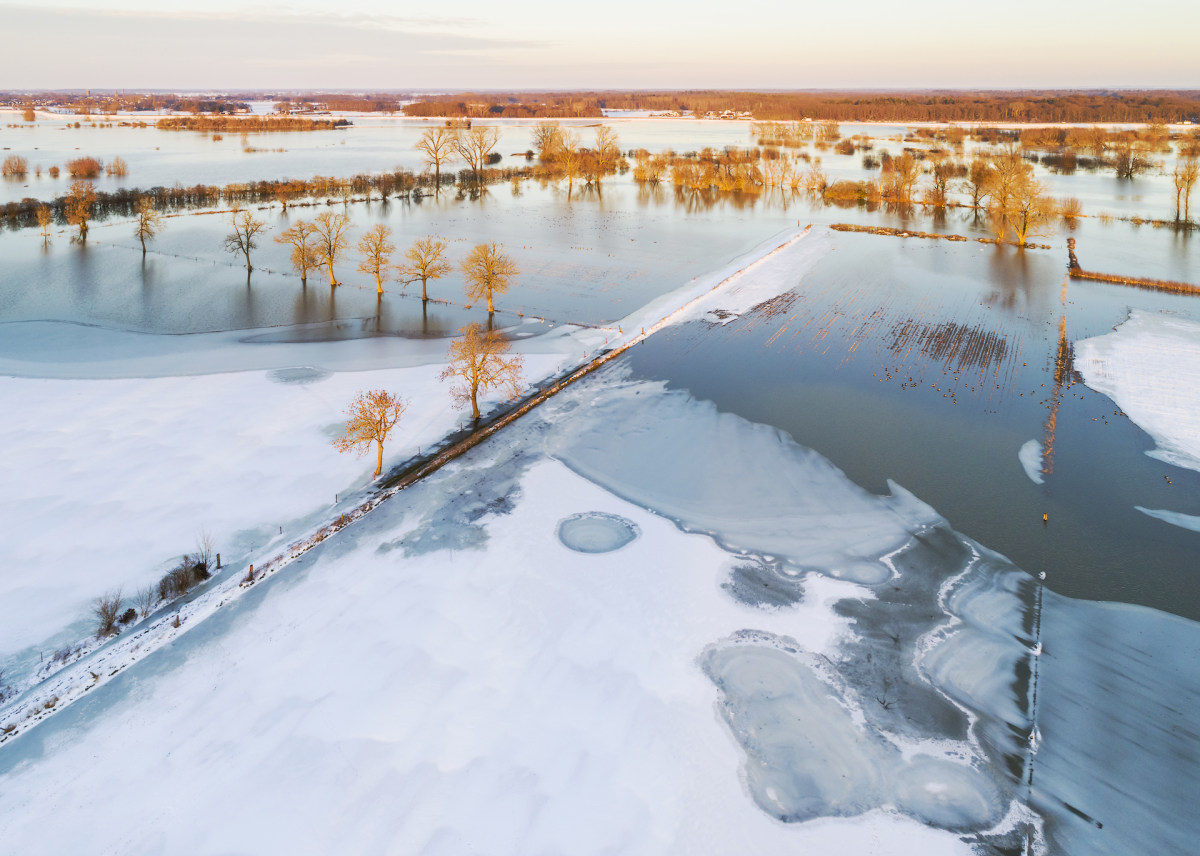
x: 524, y: 700
x: 1161, y: 395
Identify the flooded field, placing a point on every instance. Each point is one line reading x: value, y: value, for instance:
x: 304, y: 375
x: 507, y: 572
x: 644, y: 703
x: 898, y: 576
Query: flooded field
x: 932, y: 499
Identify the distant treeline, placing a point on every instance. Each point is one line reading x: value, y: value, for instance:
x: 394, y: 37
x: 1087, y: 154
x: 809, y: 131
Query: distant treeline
x: 1074, y: 107
x: 343, y: 103
x: 245, y: 124
x: 556, y: 105
x: 1017, y: 106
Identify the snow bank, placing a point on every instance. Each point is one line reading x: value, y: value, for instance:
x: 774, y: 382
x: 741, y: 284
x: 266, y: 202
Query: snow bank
x: 1150, y: 366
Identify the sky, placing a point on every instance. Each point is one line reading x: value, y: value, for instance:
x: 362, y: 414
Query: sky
x: 616, y: 44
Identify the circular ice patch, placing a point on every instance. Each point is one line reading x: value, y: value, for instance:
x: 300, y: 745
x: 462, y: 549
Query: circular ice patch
x: 596, y: 532
x: 299, y: 374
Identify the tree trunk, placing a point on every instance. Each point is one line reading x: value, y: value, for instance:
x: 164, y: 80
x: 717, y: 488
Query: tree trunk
x: 424, y: 296
x: 379, y: 459
x: 249, y: 267
x: 491, y: 308
x: 332, y: 278
x: 379, y: 284
x: 474, y: 401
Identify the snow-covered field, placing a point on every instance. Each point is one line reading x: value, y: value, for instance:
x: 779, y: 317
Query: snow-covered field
x: 777, y: 662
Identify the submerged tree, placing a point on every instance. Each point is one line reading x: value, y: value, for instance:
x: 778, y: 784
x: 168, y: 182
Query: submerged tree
x: 301, y: 237
x: 376, y: 249
x: 149, y: 221
x: 424, y: 260
x: 242, y: 239
x: 438, y: 146
x: 369, y: 420
x: 474, y: 145
x: 478, y: 360
x: 78, y: 206
x: 488, y: 271
x: 1187, y: 171
x: 45, y: 217
x: 331, y: 240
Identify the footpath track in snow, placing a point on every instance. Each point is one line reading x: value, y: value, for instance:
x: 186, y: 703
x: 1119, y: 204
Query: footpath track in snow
x: 41, y: 700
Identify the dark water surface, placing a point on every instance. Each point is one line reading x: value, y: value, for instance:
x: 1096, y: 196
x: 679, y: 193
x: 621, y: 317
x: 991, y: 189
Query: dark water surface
x: 931, y: 365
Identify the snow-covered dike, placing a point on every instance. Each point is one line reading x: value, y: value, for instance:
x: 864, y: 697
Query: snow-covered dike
x: 1150, y: 366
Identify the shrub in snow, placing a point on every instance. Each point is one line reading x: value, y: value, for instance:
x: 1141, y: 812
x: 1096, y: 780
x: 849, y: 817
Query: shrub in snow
x: 106, y: 608
x: 128, y: 615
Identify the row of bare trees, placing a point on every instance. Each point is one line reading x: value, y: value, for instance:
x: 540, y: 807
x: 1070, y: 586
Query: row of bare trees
x: 478, y: 361
x: 321, y: 242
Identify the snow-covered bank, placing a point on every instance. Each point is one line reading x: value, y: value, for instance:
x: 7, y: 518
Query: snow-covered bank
x: 1150, y: 366
x: 231, y: 442
x: 116, y: 478
x: 499, y: 693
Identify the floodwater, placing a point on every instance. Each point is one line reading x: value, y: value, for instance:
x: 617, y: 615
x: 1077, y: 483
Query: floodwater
x: 937, y: 376
x: 926, y: 362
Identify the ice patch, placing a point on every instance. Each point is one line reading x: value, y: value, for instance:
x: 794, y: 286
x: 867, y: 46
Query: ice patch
x: 596, y: 532
x: 299, y: 374
x: 1150, y: 366
x: 1175, y: 518
x: 808, y: 757
x: 1030, y: 457
x: 749, y: 486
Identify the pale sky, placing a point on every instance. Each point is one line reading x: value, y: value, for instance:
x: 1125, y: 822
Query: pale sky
x: 608, y: 44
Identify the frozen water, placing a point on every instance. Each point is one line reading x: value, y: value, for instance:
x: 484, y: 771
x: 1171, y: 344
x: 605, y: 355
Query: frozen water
x: 747, y: 485
x: 596, y: 532
x: 1175, y: 518
x: 1162, y: 396
x: 808, y: 758
x: 1030, y: 457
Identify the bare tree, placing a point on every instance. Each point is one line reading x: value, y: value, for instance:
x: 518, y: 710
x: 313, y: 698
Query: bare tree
x: 376, y: 249
x: 607, y: 152
x: 370, y: 419
x: 474, y: 145
x: 145, y: 599
x: 478, y: 360
x: 424, y: 260
x: 14, y: 166
x: 107, y: 608
x: 547, y: 138
x: 242, y: 239
x: 301, y: 237
x: 569, y: 158
x: 976, y: 183
x: 45, y: 217
x: 78, y: 206
x: 1030, y: 210
x: 205, y: 546
x: 438, y: 146
x: 331, y: 239
x: 488, y: 271
x: 1129, y: 160
x: 901, y: 176
x: 1187, y: 170
x: 149, y: 221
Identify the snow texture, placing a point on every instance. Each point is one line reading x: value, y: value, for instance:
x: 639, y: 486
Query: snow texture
x: 1030, y: 457
x: 1162, y: 396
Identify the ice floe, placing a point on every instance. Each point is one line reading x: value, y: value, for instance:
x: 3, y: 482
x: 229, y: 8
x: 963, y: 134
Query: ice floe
x: 1160, y: 393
